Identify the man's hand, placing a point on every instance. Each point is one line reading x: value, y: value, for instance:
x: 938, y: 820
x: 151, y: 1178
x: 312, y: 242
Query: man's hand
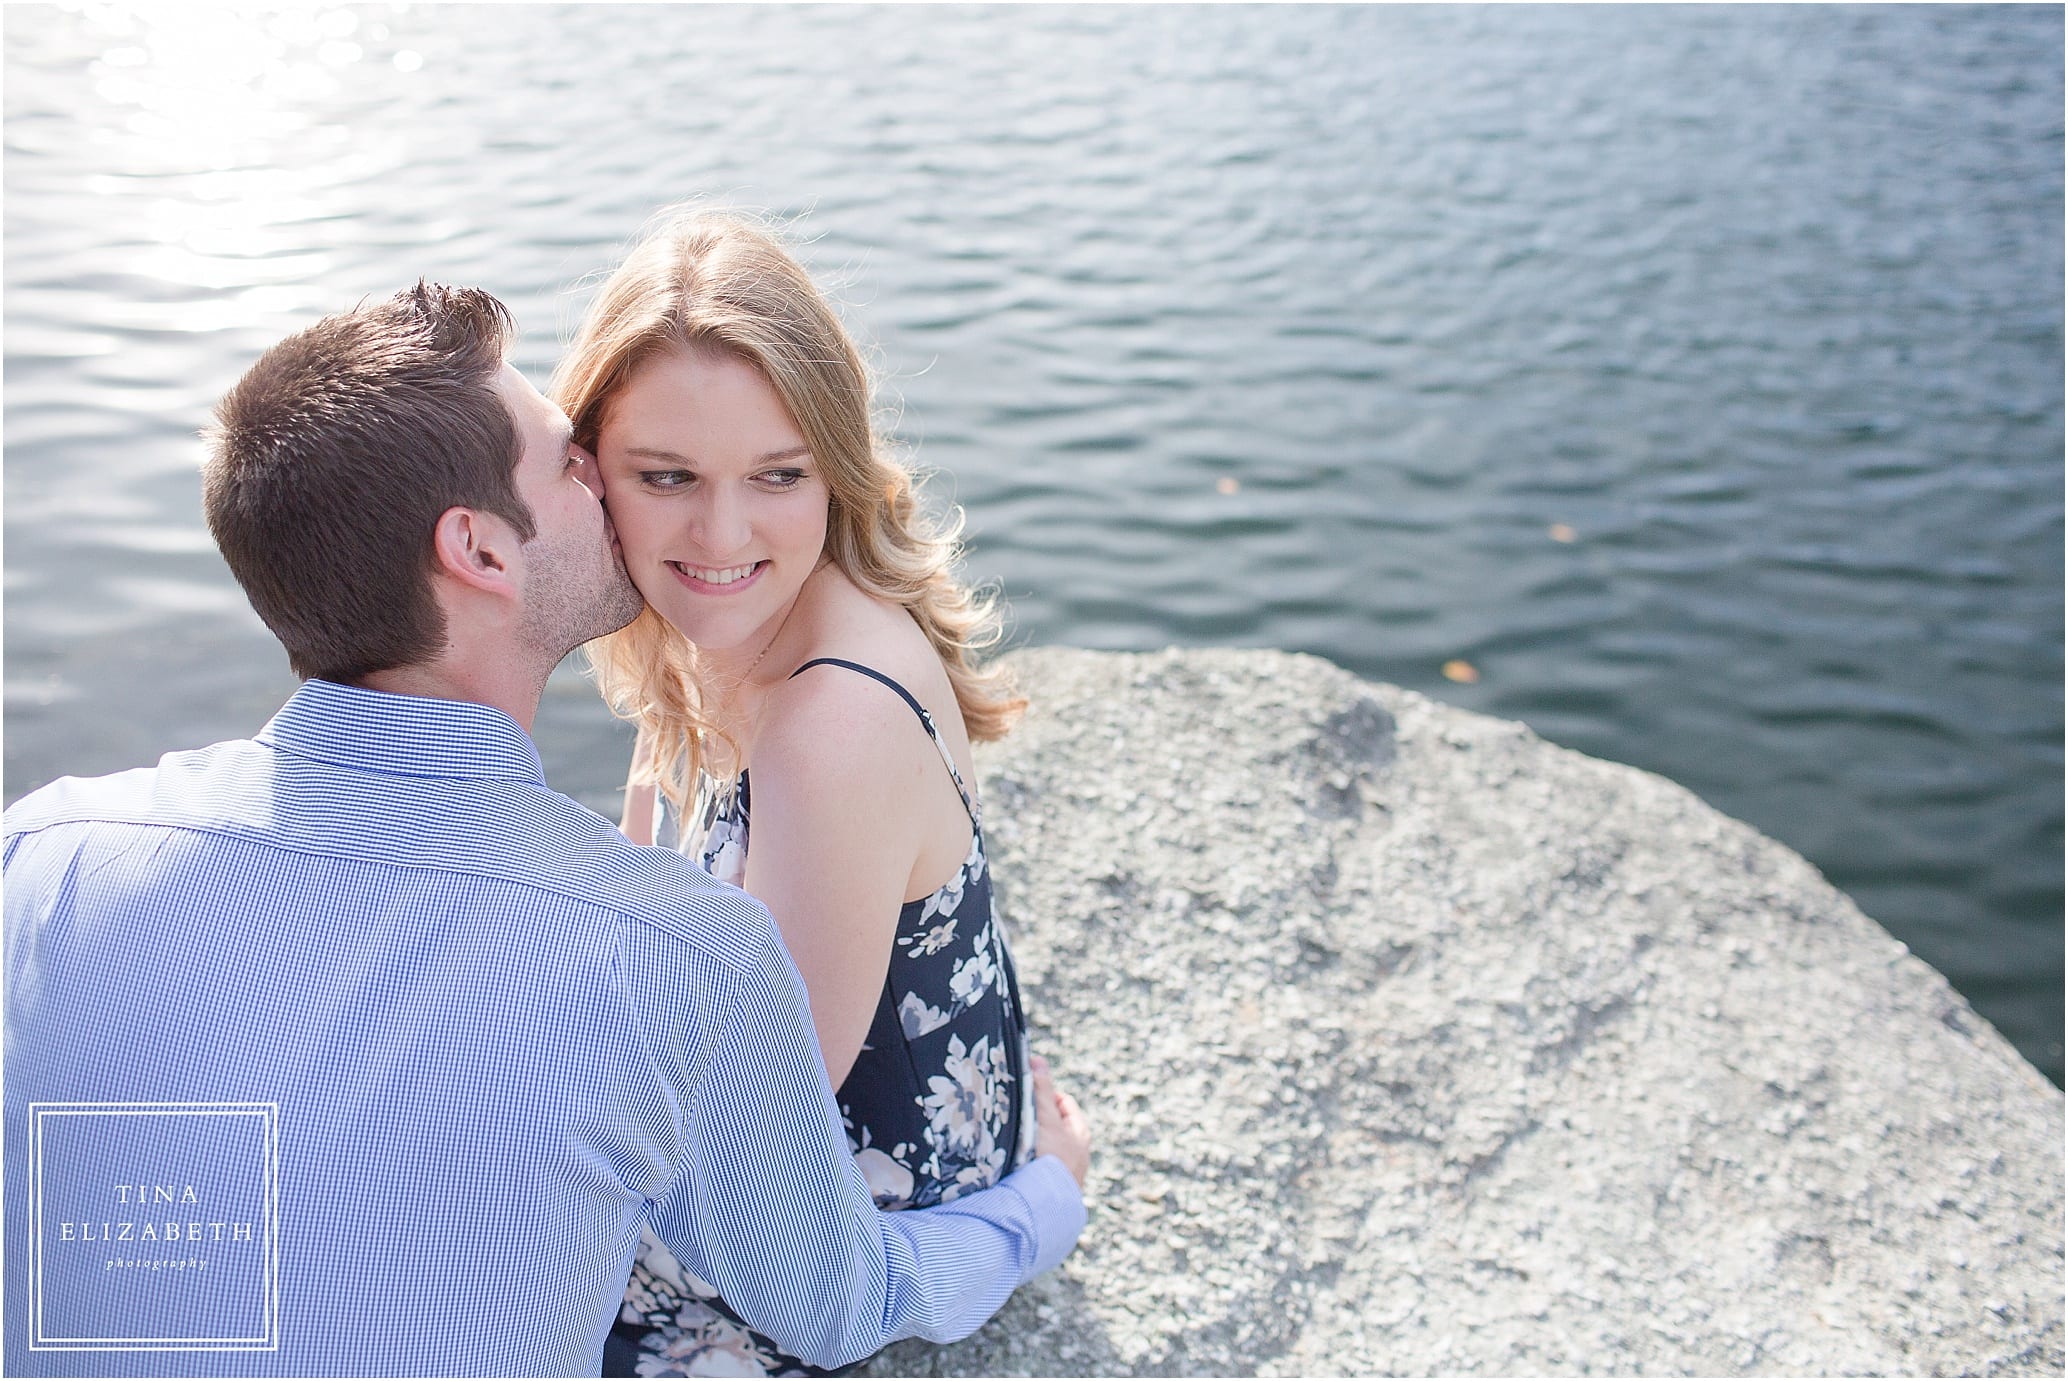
x: 1060, y: 1129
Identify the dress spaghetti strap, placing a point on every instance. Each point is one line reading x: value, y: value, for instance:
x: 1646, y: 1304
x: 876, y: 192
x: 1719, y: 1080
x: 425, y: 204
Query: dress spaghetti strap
x: 939, y: 1100
x: 968, y: 803
x: 871, y: 672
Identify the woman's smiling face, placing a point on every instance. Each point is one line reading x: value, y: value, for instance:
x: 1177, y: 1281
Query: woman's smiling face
x: 716, y: 498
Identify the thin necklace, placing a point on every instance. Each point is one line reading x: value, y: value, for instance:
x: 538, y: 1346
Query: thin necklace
x: 765, y: 647
x: 741, y: 679
x: 770, y: 644
x: 780, y: 626
x: 785, y: 623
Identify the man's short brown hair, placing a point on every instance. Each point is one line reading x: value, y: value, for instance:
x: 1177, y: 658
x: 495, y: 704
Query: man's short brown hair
x: 332, y: 459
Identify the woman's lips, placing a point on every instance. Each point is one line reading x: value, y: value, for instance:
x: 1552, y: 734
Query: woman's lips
x: 718, y: 580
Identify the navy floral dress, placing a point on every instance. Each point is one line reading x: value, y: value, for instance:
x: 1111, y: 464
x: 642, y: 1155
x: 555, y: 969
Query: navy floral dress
x: 938, y: 1103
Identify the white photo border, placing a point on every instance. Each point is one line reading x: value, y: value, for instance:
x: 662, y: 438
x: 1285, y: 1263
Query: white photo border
x: 268, y: 1339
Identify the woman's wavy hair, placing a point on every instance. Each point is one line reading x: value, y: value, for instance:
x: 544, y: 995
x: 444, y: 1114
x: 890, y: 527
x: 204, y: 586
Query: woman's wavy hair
x: 708, y: 280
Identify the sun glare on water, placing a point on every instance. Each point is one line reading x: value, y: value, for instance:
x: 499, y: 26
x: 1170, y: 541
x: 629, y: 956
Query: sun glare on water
x: 224, y: 132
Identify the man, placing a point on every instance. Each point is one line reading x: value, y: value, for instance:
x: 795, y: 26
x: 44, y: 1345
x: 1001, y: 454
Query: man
x: 352, y: 1048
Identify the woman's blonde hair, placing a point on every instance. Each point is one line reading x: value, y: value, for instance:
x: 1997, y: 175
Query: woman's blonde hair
x: 705, y: 280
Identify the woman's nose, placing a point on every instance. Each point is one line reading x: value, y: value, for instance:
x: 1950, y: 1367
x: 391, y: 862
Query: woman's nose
x: 725, y: 529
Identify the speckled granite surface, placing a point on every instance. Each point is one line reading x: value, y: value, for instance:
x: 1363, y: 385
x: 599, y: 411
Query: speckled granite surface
x: 1417, y: 1045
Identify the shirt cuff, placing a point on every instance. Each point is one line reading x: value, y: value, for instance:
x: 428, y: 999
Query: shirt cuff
x: 1057, y: 1204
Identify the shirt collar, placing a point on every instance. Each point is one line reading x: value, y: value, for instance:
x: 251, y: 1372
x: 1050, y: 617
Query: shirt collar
x: 404, y: 735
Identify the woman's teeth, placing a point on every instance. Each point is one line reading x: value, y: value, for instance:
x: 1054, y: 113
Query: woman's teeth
x: 719, y: 576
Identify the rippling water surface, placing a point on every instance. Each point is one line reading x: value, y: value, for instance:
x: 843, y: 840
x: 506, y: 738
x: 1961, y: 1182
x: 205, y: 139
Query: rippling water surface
x: 1693, y: 374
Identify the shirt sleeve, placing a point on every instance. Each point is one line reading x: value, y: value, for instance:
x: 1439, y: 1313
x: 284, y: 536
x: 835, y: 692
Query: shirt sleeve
x: 766, y: 1203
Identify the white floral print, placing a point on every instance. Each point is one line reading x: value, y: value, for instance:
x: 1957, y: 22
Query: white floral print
x: 945, y: 900
x: 704, y: 1342
x: 723, y: 849
x: 937, y: 1105
x: 963, y: 1109
x: 687, y: 1331
x: 973, y: 866
x: 975, y: 974
x: 666, y: 1273
x: 890, y: 1183
x: 938, y: 938
x: 917, y: 1019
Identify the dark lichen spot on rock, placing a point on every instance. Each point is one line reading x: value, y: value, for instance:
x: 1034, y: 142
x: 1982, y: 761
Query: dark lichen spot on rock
x: 1314, y: 954
x: 1360, y: 735
x: 1348, y: 748
x: 1810, y: 1255
x: 1598, y: 1080
x: 1390, y: 959
x: 1337, y: 798
x: 1592, y: 865
x: 1121, y: 887
x: 1489, y: 1160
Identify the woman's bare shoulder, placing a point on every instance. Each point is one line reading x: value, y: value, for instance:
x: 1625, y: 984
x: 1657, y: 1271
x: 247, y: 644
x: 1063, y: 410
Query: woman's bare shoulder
x: 815, y: 699
x: 871, y: 632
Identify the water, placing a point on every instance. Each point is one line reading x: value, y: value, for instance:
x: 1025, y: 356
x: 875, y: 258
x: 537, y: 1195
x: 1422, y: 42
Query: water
x: 1298, y: 327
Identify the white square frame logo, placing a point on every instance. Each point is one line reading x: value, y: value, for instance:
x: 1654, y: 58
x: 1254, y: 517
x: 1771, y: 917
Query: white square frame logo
x: 268, y: 1115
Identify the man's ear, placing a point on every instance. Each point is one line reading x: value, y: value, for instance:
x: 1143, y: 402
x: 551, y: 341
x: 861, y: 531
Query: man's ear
x: 475, y: 549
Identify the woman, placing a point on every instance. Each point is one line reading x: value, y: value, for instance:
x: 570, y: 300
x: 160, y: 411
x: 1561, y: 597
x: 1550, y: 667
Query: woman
x: 805, y: 697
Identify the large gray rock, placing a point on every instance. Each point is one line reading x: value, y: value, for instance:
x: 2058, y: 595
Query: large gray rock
x: 1415, y: 1044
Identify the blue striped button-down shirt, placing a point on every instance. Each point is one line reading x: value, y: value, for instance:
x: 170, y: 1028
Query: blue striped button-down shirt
x: 356, y: 1049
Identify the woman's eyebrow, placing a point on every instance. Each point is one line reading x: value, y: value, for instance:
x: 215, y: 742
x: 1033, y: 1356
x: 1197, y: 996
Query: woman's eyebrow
x: 766, y: 458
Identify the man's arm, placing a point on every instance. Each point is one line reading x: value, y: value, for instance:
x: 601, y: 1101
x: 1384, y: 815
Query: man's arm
x: 767, y: 1206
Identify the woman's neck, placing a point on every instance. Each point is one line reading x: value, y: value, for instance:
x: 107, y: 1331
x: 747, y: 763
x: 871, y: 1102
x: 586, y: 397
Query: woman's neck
x: 736, y: 685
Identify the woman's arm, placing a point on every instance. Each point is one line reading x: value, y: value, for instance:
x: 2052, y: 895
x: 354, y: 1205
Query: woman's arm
x: 842, y: 776
x: 767, y: 1204
x: 637, y: 823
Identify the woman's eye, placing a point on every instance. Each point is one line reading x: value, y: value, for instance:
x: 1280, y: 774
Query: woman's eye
x: 665, y: 479
x: 782, y: 479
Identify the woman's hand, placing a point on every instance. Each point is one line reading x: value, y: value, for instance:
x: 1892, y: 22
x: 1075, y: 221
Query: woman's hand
x: 1060, y: 1128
